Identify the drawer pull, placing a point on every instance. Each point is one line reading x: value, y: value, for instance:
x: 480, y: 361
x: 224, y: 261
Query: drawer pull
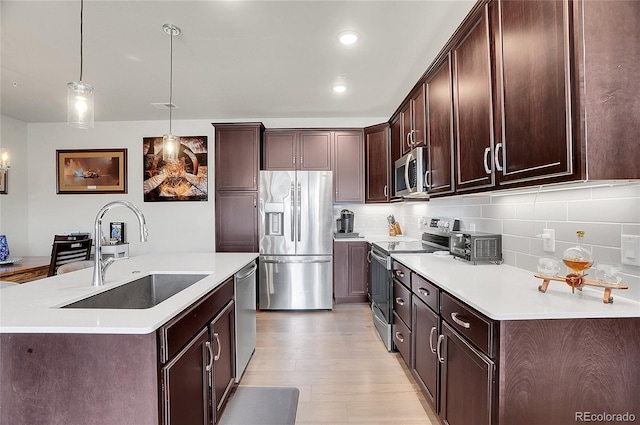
x: 399, y: 337
x: 433, y: 330
x: 399, y: 301
x: 439, y: 349
x: 217, y: 357
x: 399, y: 273
x: 462, y: 323
x: 424, y: 292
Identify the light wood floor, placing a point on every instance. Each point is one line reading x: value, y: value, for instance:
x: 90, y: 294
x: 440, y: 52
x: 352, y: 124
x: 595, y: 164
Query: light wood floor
x: 336, y: 359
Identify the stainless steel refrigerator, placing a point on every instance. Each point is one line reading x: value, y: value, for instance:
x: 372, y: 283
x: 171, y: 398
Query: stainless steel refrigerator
x: 296, y: 218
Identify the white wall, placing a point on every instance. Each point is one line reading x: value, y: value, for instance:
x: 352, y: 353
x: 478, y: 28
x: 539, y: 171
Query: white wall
x: 604, y: 212
x: 173, y: 226
x: 13, y: 206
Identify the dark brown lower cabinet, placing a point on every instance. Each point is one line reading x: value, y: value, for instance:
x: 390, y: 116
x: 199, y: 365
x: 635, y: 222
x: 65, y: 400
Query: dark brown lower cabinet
x: 467, y: 386
x: 425, y: 365
x: 221, y: 330
x: 185, y: 384
x: 350, y: 271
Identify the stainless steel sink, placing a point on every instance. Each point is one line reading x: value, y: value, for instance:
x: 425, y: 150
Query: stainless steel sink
x: 144, y: 292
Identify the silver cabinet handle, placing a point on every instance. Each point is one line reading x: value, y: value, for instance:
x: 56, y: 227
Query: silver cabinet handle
x: 369, y: 257
x: 292, y: 207
x: 439, y: 349
x: 294, y: 160
x: 497, y: 156
x: 399, y: 273
x: 487, y: 151
x: 217, y: 357
x: 433, y: 330
x: 255, y: 179
x: 409, y: 139
x: 399, y: 337
x: 399, y: 301
x: 210, y: 364
x: 424, y: 292
x: 462, y: 323
x: 386, y: 190
x: 427, y: 179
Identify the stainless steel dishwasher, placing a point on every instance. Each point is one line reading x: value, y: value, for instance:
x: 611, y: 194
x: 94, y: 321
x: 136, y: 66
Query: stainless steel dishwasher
x: 245, y: 290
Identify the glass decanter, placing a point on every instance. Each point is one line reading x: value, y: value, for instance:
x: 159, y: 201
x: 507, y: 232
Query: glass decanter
x: 577, y: 259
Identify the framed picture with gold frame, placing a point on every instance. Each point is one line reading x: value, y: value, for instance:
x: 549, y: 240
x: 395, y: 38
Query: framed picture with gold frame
x: 91, y: 171
x: 3, y: 181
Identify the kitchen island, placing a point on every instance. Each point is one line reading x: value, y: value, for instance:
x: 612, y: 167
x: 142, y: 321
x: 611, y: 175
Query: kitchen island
x: 115, y: 366
x: 488, y: 348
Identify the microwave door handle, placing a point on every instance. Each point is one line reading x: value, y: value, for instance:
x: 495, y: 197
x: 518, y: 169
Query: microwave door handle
x: 406, y: 172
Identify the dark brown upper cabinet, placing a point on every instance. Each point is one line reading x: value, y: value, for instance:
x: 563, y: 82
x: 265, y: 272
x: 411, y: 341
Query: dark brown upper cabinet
x: 309, y: 150
x: 237, y: 156
x: 377, y: 162
x: 440, y: 128
x: 473, y: 105
x: 412, y: 121
x: 348, y: 166
x: 534, y: 138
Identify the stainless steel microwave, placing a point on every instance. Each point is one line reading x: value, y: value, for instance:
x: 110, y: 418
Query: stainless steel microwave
x: 410, y: 179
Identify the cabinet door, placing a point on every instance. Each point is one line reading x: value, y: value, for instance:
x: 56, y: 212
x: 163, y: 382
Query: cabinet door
x: 340, y: 270
x: 406, y: 127
x: 533, y: 71
x: 377, y: 163
x: 440, y: 134
x: 280, y: 150
x: 237, y: 156
x: 236, y: 221
x: 314, y: 150
x: 418, y: 117
x: 222, y: 331
x: 348, y: 169
x: 185, y: 385
x: 473, y: 107
x: 467, y: 387
x: 350, y: 271
x: 424, y: 331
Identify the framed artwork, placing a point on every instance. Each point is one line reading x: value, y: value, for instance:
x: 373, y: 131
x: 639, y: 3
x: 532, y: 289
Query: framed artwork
x: 181, y: 180
x: 3, y: 182
x: 116, y: 232
x: 91, y: 171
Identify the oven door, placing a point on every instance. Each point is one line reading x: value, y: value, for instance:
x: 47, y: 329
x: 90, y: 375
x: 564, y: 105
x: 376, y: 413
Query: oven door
x: 381, y: 293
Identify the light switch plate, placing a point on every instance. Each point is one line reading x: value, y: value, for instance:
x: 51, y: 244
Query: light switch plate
x: 549, y: 240
x: 630, y: 253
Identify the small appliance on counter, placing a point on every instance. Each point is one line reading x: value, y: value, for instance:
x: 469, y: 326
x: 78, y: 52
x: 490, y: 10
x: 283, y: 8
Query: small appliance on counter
x: 344, y: 225
x: 476, y: 246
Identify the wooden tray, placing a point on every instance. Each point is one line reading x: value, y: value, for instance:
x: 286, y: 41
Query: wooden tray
x: 578, y: 282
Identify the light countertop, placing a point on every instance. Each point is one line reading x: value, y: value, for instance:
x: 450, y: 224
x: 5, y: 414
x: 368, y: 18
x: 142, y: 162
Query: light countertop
x: 34, y: 307
x: 377, y: 238
x: 503, y: 292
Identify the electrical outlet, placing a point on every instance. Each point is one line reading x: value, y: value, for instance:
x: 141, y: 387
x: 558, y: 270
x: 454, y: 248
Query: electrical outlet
x: 630, y: 249
x: 549, y: 240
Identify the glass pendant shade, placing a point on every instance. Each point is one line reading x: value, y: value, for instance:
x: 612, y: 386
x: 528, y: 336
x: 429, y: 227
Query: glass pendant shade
x: 80, y: 105
x: 170, y: 147
x: 5, y: 159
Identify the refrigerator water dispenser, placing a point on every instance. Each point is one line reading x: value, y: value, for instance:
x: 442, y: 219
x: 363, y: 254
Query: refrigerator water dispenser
x: 274, y: 212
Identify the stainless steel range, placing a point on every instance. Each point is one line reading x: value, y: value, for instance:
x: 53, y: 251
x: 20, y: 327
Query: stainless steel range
x: 435, y: 238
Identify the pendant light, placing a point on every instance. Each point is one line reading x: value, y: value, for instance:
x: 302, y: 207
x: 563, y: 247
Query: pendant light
x: 170, y: 143
x: 5, y: 159
x: 80, y: 94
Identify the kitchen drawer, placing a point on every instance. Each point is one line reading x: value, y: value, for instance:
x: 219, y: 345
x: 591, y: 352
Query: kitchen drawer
x: 479, y: 330
x: 179, y: 330
x: 402, y: 274
x: 402, y: 338
x: 402, y: 301
x: 424, y: 290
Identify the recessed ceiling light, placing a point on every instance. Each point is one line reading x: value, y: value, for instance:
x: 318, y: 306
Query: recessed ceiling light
x: 348, y: 37
x: 340, y: 88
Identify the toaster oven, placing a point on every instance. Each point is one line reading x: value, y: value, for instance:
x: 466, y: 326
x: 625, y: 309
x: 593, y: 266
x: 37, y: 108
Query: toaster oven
x: 476, y: 247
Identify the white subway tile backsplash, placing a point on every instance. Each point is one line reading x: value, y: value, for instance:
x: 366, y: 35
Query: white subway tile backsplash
x: 619, y: 210
x: 607, y: 234
x: 516, y: 243
x: 502, y: 211
x: 631, y: 229
x: 526, y: 228
x: 542, y: 211
x: 631, y: 190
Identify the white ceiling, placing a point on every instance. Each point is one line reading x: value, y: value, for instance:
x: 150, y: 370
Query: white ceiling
x: 234, y: 59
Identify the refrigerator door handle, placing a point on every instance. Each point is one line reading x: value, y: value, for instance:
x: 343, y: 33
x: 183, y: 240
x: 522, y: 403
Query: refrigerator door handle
x: 299, y: 212
x: 328, y: 260
x: 291, y: 204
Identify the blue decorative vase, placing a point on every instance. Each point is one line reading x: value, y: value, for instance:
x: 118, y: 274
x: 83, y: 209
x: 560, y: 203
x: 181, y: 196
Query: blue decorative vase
x: 4, y: 248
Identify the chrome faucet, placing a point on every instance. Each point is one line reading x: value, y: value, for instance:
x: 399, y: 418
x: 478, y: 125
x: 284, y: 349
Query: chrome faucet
x: 100, y: 267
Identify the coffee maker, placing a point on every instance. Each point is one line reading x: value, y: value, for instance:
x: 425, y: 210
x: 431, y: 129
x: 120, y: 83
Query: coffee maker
x: 344, y: 224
